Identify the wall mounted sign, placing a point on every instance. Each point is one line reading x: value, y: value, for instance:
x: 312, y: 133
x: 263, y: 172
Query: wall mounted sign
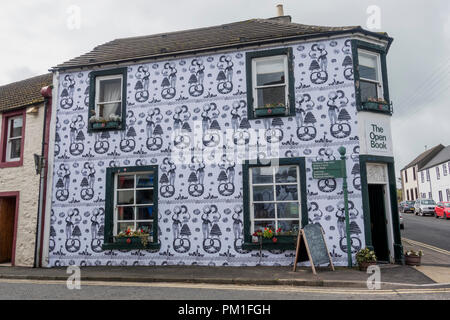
x: 328, y: 169
x: 378, y: 137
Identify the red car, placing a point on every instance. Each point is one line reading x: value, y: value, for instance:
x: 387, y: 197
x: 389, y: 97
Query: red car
x: 442, y: 209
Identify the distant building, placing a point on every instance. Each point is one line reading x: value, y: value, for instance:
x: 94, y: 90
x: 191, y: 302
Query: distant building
x: 409, y: 174
x: 434, y: 177
x: 22, y: 116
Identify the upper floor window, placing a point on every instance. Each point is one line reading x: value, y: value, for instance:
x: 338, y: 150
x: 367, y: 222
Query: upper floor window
x: 438, y: 175
x: 370, y: 75
x: 428, y: 175
x: 270, y: 83
x: 406, y: 175
x: 13, y: 132
x: 422, y: 176
x: 414, y: 173
x: 107, y: 100
x: 444, y: 169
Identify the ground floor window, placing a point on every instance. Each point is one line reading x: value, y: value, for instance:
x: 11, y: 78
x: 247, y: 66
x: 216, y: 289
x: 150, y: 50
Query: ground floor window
x: 275, y: 196
x: 131, y: 205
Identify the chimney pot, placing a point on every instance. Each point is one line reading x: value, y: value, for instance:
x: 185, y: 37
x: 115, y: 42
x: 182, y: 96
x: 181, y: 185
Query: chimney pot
x: 280, y: 12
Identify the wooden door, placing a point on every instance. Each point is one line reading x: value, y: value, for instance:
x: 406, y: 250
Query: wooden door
x: 7, y: 213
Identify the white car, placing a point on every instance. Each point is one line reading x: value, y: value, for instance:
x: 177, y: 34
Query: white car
x: 424, y: 206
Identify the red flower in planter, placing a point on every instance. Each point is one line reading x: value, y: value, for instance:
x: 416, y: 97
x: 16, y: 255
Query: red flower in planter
x: 128, y: 241
x: 274, y: 239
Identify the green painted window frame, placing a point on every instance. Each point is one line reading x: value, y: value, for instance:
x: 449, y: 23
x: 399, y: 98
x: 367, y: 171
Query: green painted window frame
x: 109, y: 209
x: 92, y: 90
x: 358, y: 44
x: 389, y: 161
x: 291, y: 80
x: 284, y: 242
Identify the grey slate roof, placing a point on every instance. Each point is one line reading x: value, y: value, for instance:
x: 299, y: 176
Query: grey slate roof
x: 190, y: 41
x: 23, y: 93
x: 442, y: 157
x: 422, y: 159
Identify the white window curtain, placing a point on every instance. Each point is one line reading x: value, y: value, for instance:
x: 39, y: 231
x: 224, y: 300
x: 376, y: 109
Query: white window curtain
x: 110, y: 90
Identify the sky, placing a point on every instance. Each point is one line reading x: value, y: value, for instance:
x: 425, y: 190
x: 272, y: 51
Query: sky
x: 39, y: 34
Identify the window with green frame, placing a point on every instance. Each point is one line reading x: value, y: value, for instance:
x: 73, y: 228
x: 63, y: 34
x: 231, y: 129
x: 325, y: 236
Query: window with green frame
x: 270, y: 83
x: 369, y: 64
x: 131, y: 203
x: 107, y: 99
x: 274, y: 197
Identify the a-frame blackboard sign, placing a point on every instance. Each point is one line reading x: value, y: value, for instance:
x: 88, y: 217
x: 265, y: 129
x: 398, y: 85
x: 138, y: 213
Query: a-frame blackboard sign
x: 311, y: 246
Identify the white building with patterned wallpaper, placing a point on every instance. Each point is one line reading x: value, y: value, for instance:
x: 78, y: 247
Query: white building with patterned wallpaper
x: 198, y: 138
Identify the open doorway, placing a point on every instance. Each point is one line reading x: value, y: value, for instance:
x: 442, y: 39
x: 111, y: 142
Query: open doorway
x: 7, y: 220
x: 378, y: 222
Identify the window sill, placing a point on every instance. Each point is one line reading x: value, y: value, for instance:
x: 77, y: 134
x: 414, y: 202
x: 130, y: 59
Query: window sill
x: 111, y: 125
x: 381, y: 107
x: 132, y: 244
x: 11, y: 164
x: 283, y: 243
x: 270, y: 112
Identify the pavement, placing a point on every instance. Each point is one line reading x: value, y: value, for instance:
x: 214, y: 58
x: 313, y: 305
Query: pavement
x: 434, y: 271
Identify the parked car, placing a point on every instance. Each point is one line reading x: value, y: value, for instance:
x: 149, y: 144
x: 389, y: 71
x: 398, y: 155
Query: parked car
x: 442, y: 209
x: 406, y: 206
x: 402, y: 225
x: 424, y: 206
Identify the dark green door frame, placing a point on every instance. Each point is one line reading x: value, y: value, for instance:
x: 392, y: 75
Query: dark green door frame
x: 389, y: 161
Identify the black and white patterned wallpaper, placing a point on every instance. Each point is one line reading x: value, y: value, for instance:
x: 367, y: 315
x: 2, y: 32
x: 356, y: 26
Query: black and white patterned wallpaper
x: 200, y: 187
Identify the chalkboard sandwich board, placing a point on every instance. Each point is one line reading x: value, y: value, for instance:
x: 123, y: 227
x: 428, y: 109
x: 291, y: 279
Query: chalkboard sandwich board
x: 311, y: 246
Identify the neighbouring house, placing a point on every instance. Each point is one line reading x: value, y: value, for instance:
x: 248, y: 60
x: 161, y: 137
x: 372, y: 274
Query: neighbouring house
x: 434, y: 182
x: 201, y: 137
x: 22, y: 111
x: 410, y: 173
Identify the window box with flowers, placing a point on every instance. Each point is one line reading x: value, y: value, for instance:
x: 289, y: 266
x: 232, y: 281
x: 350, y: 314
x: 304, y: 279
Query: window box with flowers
x: 135, y: 239
x: 270, y: 110
x: 413, y: 258
x: 113, y: 122
x: 380, y: 105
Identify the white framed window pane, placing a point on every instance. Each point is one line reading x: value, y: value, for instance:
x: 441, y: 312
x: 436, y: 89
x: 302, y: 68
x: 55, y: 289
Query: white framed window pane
x: 125, y: 213
x: 144, y: 181
x: 125, y: 197
x: 286, y: 174
x: 264, y: 224
x: 146, y: 226
x: 271, y: 96
x: 110, y: 90
x: 144, y: 213
x: 15, y: 127
x: 287, y: 192
x: 270, y: 71
x: 109, y: 109
x: 263, y: 193
x: 368, y: 90
x: 125, y: 182
x: 14, y: 148
x: 368, y: 66
x: 262, y: 175
x: 123, y: 226
x: 264, y: 210
x: 290, y: 210
x: 289, y: 225
x: 144, y: 196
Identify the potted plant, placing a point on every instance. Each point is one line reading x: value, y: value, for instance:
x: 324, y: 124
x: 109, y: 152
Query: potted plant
x: 131, y: 237
x: 271, y: 109
x: 266, y: 234
x: 113, y: 121
x: 377, y: 104
x: 413, y: 258
x: 365, y: 258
